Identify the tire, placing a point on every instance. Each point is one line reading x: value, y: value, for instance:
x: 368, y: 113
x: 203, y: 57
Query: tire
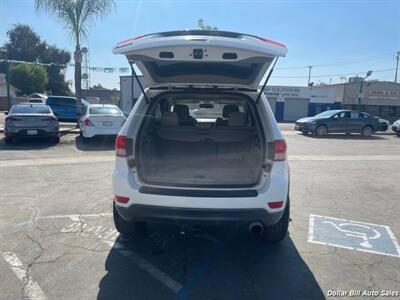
x: 124, y: 227
x: 367, y: 131
x: 278, y: 231
x: 321, y: 130
x: 8, y: 140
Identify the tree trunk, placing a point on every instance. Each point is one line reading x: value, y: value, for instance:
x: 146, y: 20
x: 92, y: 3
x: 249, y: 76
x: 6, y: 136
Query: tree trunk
x: 78, y: 78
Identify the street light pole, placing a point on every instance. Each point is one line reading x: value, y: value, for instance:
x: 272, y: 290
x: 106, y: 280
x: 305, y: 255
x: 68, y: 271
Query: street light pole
x: 309, y: 74
x: 361, y: 88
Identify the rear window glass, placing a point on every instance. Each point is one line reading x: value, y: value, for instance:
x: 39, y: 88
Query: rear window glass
x: 30, y: 109
x: 104, y: 111
x: 62, y: 101
x: 171, y: 72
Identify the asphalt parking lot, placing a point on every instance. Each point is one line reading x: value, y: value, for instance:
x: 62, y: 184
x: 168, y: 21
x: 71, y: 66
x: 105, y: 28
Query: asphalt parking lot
x: 58, y: 241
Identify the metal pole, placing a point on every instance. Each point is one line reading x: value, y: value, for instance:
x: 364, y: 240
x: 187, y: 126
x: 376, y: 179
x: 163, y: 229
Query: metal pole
x: 359, y: 95
x: 397, y: 66
x: 309, y: 74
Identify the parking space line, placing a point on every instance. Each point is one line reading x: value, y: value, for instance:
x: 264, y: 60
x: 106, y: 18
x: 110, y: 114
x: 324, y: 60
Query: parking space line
x: 148, y: 267
x: 31, y: 289
x: 343, y: 157
x: 56, y: 161
x: 110, y: 158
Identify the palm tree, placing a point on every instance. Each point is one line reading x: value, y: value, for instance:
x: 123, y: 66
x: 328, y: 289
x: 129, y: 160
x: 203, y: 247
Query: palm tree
x: 77, y: 16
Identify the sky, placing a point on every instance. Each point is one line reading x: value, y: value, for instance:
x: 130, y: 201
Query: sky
x: 339, y: 38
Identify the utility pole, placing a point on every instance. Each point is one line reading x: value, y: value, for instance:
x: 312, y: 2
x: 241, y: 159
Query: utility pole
x: 309, y: 74
x: 4, y: 51
x: 397, y: 66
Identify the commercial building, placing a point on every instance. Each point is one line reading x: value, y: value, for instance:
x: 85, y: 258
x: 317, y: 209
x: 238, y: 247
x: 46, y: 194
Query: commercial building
x: 378, y: 98
x: 289, y: 103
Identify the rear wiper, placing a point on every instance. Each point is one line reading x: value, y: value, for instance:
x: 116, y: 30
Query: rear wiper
x: 266, y: 80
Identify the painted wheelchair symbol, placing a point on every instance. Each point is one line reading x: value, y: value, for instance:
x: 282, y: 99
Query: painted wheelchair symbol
x: 364, y: 235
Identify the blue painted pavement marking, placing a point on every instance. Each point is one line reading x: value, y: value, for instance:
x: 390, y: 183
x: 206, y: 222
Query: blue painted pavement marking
x: 353, y: 235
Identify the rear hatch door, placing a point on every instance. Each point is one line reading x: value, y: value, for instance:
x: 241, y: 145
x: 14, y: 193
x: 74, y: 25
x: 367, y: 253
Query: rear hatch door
x: 201, y: 58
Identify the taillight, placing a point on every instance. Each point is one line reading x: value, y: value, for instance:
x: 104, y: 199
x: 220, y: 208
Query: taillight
x: 271, y: 42
x: 280, y: 150
x: 121, y: 199
x: 275, y: 204
x: 120, y: 146
x: 130, y: 40
x: 87, y: 122
x: 12, y: 119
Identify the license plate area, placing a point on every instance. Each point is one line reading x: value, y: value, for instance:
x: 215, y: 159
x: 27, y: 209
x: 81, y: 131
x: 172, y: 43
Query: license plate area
x: 107, y: 123
x: 31, y: 132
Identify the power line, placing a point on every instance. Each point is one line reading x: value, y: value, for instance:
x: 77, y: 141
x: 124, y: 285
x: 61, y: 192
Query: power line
x: 333, y: 75
x: 343, y: 62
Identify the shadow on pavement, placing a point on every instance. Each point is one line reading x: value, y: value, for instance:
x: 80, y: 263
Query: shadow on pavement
x: 95, y: 144
x: 27, y: 144
x: 214, y: 265
x: 354, y: 136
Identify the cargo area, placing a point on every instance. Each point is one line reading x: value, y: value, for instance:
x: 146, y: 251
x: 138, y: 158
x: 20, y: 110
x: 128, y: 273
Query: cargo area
x: 207, y: 140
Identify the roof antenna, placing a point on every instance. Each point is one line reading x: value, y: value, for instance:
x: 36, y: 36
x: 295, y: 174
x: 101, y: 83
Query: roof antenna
x: 138, y: 81
x: 266, y: 80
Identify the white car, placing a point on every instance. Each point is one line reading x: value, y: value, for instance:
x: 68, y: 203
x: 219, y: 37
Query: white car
x: 201, y: 145
x: 396, y: 127
x: 101, y: 120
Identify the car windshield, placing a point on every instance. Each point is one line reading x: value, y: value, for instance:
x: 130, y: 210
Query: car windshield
x: 30, y: 109
x: 104, y: 111
x: 326, y: 114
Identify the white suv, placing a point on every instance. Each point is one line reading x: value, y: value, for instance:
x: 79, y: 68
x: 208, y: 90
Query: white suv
x: 201, y: 145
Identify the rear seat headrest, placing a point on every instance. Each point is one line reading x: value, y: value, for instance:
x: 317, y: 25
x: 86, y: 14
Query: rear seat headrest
x: 182, y: 110
x: 169, y: 119
x: 228, y: 109
x: 237, y: 119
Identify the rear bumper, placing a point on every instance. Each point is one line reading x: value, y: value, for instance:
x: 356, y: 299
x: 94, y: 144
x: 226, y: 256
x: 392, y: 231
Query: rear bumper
x: 197, y: 216
x: 90, y: 132
x: 23, y: 132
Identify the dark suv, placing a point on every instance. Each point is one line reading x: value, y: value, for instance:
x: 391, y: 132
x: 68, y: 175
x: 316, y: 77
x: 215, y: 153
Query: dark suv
x: 339, y: 121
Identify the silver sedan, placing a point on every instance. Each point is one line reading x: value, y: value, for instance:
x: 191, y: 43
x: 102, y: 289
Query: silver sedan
x: 31, y: 120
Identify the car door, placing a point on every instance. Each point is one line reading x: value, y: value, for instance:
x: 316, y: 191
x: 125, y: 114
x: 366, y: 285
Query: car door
x: 70, y: 108
x: 201, y: 58
x: 356, y: 121
x: 340, y: 122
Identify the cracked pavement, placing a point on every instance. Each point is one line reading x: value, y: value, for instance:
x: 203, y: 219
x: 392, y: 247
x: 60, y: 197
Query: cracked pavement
x: 57, y: 220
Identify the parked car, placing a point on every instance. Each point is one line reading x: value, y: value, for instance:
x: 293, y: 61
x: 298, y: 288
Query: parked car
x: 396, y: 127
x: 339, y: 121
x: 226, y: 164
x: 36, y: 100
x: 384, y: 124
x: 100, y: 120
x: 65, y: 107
x: 31, y: 120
